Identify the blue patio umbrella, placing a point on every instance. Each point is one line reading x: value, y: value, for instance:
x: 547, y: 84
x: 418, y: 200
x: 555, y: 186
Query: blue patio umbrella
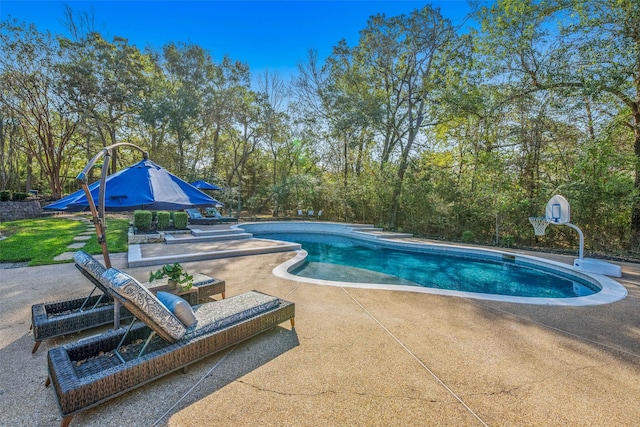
x: 143, y: 185
x: 204, y: 185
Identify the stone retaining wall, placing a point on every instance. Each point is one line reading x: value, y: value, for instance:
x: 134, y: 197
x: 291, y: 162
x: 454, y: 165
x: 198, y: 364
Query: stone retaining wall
x: 145, y: 238
x: 11, y: 211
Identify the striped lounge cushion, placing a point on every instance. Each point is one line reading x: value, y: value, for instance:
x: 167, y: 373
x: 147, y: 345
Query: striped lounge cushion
x: 144, y: 305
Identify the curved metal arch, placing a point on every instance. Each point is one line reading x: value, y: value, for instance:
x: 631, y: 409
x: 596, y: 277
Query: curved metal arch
x: 98, y: 213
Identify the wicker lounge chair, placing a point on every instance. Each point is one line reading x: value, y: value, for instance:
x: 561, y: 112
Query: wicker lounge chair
x: 53, y: 319
x: 196, y: 218
x: 213, y: 213
x: 92, y: 371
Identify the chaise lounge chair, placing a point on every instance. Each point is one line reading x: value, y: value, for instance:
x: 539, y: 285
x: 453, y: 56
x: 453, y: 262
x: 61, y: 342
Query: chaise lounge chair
x: 92, y: 371
x: 196, y: 218
x: 213, y: 213
x: 53, y: 319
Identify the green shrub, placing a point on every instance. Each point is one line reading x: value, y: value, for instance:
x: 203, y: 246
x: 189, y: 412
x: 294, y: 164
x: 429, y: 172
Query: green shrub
x: 163, y: 220
x: 507, y: 241
x: 19, y: 196
x: 180, y: 220
x: 142, y: 220
x: 468, y: 236
x: 5, y: 195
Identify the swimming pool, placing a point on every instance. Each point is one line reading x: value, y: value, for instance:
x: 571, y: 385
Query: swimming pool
x: 340, y: 255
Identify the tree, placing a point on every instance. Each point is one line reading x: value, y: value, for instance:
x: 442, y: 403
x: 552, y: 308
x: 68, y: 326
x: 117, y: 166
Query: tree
x: 225, y: 100
x: 243, y: 139
x: 107, y: 83
x: 405, y: 63
x: 188, y: 70
x: 272, y: 96
x: 33, y: 91
x: 9, y: 154
x: 594, y: 56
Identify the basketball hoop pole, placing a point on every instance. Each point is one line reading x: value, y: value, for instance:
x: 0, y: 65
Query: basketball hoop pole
x: 575, y: 227
x: 558, y: 212
x: 581, y: 253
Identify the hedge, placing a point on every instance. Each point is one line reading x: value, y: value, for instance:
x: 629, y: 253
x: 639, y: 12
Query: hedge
x: 142, y: 220
x: 163, y: 218
x: 180, y: 220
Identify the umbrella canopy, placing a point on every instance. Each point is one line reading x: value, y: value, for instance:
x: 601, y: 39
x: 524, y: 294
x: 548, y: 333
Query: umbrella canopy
x: 204, y: 185
x: 143, y: 185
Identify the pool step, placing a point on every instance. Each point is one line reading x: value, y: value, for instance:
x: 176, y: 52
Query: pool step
x: 380, y: 233
x: 365, y: 227
x: 212, y: 235
x: 194, y: 252
x: 216, y: 232
x: 392, y: 235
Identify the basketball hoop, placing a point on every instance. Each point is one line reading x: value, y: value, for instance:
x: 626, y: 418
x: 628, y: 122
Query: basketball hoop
x: 539, y: 224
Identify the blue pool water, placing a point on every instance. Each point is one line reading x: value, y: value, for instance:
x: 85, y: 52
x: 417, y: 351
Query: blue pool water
x: 338, y: 258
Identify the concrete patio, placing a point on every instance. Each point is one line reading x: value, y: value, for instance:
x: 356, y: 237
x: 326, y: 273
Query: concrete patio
x: 356, y: 357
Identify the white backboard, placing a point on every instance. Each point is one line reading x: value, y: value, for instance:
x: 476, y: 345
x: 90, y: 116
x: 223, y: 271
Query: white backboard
x: 558, y: 210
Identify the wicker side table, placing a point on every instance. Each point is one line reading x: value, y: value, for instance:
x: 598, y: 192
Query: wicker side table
x: 209, y: 288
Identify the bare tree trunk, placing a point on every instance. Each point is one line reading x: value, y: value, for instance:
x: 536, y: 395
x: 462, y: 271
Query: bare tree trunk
x: 29, y: 172
x: 635, y: 209
x: 346, y: 180
x: 3, y: 162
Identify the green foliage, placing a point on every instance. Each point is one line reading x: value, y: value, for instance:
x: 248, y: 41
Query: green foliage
x: 163, y: 218
x: 416, y: 52
x: 180, y: 220
x: 601, y: 194
x: 173, y: 272
x: 31, y: 63
x: 19, y: 196
x: 507, y: 241
x: 468, y: 236
x: 589, y: 64
x: 5, y: 195
x: 417, y: 126
x: 297, y: 192
x: 142, y: 220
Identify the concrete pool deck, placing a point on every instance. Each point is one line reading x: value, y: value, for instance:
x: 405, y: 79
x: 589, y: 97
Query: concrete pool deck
x: 356, y: 357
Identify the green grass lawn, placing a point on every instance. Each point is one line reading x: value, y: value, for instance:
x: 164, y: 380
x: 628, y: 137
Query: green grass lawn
x: 37, y: 241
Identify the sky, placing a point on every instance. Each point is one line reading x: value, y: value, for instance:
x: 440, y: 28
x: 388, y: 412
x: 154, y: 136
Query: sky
x: 267, y: 35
